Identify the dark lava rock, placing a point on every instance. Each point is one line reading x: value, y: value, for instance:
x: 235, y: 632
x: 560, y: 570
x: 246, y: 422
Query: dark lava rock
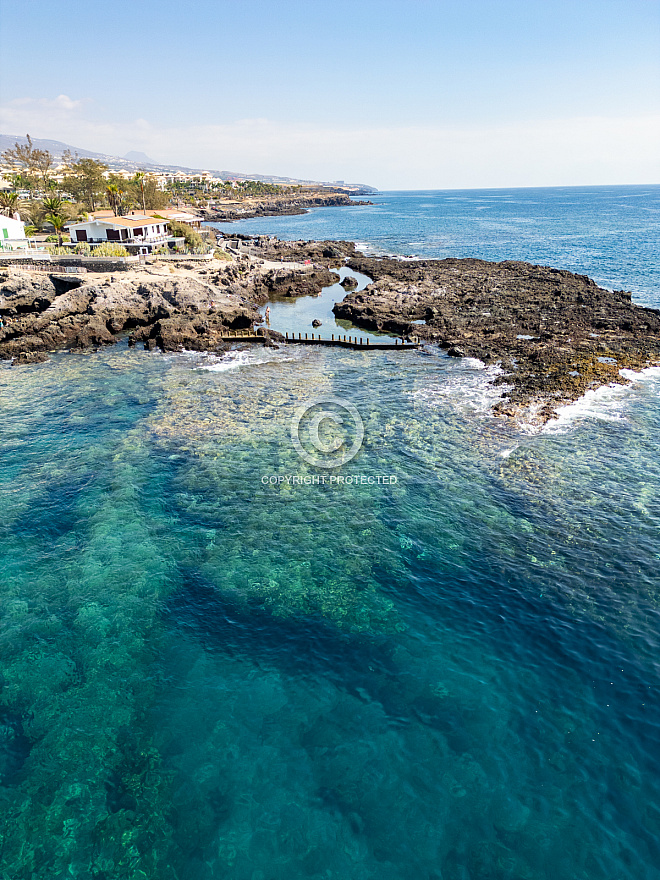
x: 327, y: 253
x: 29, y: 357
x: 316, y: 323
x: 289, y: 283
x: 554, y: 333
x: 349, y: 283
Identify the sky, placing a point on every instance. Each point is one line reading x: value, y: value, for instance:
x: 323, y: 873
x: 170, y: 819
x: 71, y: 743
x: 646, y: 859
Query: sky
x: 421, y: 94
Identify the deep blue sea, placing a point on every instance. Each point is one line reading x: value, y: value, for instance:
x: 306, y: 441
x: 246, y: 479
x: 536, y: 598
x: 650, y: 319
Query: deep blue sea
x: 435, y: 661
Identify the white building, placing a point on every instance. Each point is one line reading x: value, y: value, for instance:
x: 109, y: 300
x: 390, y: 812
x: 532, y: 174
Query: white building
x: 138, y: 234
x: 12, y: 234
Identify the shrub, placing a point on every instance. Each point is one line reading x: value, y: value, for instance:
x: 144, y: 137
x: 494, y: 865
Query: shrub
x: 110, y: 250
x: 181, y: 230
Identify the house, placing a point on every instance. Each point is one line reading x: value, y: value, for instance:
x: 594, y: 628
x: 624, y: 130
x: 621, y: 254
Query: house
x: 159, y: 214
x: 12, y: 234
x: 173, y: 214
x: 139, y: 233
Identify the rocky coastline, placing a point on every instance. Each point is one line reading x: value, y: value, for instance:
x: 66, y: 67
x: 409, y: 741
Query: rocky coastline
x: 553, y: 334
x: 275, y: 206
x: 159, y: 306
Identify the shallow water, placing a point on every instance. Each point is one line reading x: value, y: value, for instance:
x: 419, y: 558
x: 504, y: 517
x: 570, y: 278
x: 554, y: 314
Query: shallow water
x: 206, y: 673
x: 287, y: 315
x: 204, y: 676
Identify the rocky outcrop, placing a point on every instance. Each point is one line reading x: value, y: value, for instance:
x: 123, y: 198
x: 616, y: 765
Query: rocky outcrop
x: 287, y: 204
x: 555, y: 334
x: 319, y: 253
x: 292, y: 283
x: 42, y: 313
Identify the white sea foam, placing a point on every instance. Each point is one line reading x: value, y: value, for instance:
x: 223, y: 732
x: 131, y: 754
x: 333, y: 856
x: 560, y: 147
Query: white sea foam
x: 468, y: 388
x: 650, y: 374
x: 609, y: 403
x: 604, y: 404
x: 234, y: 360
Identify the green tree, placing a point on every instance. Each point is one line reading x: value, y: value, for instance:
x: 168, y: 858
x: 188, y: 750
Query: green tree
x: 22, y: 181
x: 85, y: 180
x: 9, y: 203
x: 32, y: 160
x: 182, y: 230
x: 53, y: 205
x: 139, y: 178
x: 144, y: 192
x: 57, y: 221
x: 35, y: 214
x: 112, y: 192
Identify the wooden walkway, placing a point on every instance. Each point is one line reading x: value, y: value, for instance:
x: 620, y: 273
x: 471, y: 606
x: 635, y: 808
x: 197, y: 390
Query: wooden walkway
x: 358, y: 342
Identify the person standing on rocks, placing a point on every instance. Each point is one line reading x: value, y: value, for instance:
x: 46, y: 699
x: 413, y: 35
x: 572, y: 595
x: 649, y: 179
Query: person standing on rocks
x: 268, y: 316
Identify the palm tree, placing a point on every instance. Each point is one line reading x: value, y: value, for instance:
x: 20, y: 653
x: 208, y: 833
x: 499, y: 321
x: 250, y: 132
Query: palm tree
x: 57, y: 221
x: 53, y: 205
x: 9, y: 203
x: 113, y: 197
x: 138, y: 178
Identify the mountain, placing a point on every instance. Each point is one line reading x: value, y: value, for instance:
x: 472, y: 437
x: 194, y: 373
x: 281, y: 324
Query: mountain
x: 135, y: 160
x: 137, y: 156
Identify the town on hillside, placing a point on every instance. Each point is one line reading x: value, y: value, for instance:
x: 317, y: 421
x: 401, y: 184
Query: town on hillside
x: 73, y: 205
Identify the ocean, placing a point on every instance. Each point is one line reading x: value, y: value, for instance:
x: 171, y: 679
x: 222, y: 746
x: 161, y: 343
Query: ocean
x: 438, y: 659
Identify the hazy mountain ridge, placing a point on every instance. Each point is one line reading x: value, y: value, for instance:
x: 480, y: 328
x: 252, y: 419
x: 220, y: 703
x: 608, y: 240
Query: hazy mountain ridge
x: 115, y: 163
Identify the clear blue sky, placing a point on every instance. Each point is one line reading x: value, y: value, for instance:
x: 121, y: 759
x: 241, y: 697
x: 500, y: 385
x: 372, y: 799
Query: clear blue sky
x: 417, y: 93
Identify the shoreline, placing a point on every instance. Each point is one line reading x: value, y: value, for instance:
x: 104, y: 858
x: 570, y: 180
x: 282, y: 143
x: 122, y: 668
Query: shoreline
x: 287, y: 205
x: 554, y: 334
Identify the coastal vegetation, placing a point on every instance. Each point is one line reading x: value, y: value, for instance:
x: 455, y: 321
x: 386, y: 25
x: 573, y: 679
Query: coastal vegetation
x: 47, y: 193
x: 192, y: 238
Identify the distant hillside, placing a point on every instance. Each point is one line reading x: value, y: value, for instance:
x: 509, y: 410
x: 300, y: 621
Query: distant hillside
x: 137, y: 156
x: 135, y: 160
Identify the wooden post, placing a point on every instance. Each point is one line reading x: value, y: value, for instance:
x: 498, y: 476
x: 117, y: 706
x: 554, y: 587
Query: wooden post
x: 367, y: 340
x: 299, y: 336
x: 360, y: 340
x: 305, y: 336
x: 287, y: 334
x: 396, y: 342
x: 333, y: 337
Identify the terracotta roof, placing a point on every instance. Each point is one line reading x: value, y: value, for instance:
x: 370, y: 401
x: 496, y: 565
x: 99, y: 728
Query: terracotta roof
x: 130, y: 222
x: 169, y: 214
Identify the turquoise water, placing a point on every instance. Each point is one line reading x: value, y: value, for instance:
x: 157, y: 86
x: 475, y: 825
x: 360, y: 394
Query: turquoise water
x: 206, y: 674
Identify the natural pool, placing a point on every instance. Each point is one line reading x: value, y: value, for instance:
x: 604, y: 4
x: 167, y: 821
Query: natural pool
x: 295, y: 314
